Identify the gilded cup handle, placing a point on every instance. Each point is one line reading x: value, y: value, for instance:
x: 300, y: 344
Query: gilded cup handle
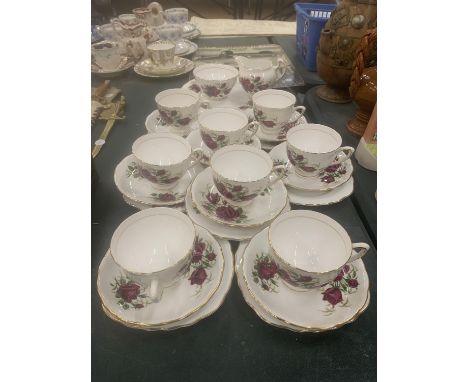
x: 344, y: 154
x: 195, y: 157
x: 251, y: 131
x: 301, y: 110
x: 359, y: 250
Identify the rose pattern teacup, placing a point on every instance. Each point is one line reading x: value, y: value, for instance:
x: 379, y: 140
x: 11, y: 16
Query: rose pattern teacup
x: 163, y: 158
x: 241, y: 173
x: 309, y: 249
x: 215, y: 80
x: 313, y: 147
x: 176, y: 15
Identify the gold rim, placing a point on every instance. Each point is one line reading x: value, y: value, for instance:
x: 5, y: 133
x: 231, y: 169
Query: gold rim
x: 302, y: 327
x: 179, y: 318
x: 325, y: 204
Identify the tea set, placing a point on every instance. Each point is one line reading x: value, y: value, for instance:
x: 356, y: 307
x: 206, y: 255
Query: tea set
x: 201, y: 177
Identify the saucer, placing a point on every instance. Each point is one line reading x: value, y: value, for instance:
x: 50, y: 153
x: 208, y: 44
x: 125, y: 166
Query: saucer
x: 140, y: 206
x: 126, y: 64
x: 328, y: 179
x: 236, y: 99
x: 281, y: 137
x: 148, y: 65
x: 154, y: 124
x: 321, y: 198
x: 264, y: 208
x: 187, y: 67
x: 179, y: 301
x: 221, y: 230
x: 131, y: 184
x: 319, y: 309
x: 186, y: 47
x: 188, y: 27
x: 268, y: 146
x: 195, y: 140
x: 191, y: 35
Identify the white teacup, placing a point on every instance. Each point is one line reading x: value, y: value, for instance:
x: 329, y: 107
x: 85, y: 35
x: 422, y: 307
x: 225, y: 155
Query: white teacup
x: 310, y: 248
x: 176, y: 15
x: 106, y: 54
x: 312, y: 147
x: 241, y: 172
x: 161, y: 53
x: 216, y: 80
x: 274, y: 109
x: 153, y: 247
x: 163, y: 158
x: 221, y: 126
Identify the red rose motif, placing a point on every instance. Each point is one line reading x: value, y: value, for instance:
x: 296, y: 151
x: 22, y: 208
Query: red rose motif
x: 327, y: 179
x: 129, y: 292
x: 167, y: 197
x: 184, y: 121
x: 338, y: 277
x: 345, y: 269
x: 213, y: 197
x: 195, y: 88
x: 342, y: 171
x: 237, y: 189
x: 198, y: 250
x: 353, y: 283
x: 211, y: 91
x: 148, y: 175
x: 268, y: 123
x: 223, y: 190
x: 227, y: 213
x: 333, y: 296
x: 198, y: 276
x: 211, y: 256
x: 209, y: 141
x: 267, y: 270
x: 332, y: 168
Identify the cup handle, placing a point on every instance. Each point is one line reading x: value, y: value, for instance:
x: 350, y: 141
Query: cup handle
x: 301, y: 110
x: 280, y: 69
x: 344, y: 154
x: 195, y: 157
x: 252, y: 128
x: 277, y: 173
x: 359, y: 250
x: 155, y: 291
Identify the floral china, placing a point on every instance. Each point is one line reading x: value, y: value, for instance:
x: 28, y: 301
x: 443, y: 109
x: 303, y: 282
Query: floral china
x: 133, y: 185
x: 106, y: 55
x: 222, y: 230
x: 192, y: 34
x: 274, y: 109
x: 140, y: 206
x: 220, y: 127
x: 206, y: 310
x: 215, y: 80
x: 257, y: 74
x: 339, y: 306
x: 310, y: 249
x: 196, y: 141
x: 161, y: 53
x: 176, y: 15
x: 127, y: 25
x: 178, y: 108
x: 164, y: 158
x: 266, y: 206
x: 125, y: 64
x: 175, y: 66
x: 327, y: 179
x: 240, y: 173
x: 312, y: 147
x: 149, y: 16
x: 296, y: 119
x: 155, y: 124
x: 146, y: 69
x: 188, y: 47
x: 173, y: 32
x: 153, y: 248
x: 321, y: 198
x: 128, y: 300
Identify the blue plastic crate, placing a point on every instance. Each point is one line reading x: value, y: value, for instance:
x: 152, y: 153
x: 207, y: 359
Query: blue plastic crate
x: 310, y: 20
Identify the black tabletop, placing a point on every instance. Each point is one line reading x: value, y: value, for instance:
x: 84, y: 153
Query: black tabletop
x: 233, y: 344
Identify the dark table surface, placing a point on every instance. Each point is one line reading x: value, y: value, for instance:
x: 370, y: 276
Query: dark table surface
x: 233, y: 344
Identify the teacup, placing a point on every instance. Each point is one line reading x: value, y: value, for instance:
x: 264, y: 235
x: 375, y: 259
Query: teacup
x: 241, y: 173
x: 221, y: 126
x: 163, y: 158
x: 171, y: 32
x: 161, y: 53
x: 176, y: 15
x: 129, y: 19
x: 154, y: 247
x: 106, y: 54
x: 309, y: 248
x: 274, y: 109
x: 216, y: 80
x: 312, y: 147
x: 178, y: 109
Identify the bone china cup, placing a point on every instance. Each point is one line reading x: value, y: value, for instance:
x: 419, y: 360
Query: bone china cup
x: 163, y: 158
x: 161, y: 53
x: 178, y: 109
x: 274, y: 109
x: 106, y: 54
x: 309, y: 248
x: 216, y: 80
x: 153, y: 247
x: 312, y: 147
x: 220, y: 127
x: 241, y: 172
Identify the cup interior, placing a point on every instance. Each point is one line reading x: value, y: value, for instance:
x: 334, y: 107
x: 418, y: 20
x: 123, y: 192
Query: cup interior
x: 152, y: 240
x: 177, y: 98
x: 241, y: 163
x: 215, y: 72
x: 223, y: 119
x: 314, y: 138
x: 311, y: 242
x: 277, y: 99
x: 161, y: 149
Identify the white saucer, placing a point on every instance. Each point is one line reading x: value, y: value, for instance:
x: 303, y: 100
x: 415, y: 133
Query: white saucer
x: 148, y: 65
x: 140, y: 206
x: 263, y: 209
x: 142, y: 71
x: 131, y: 184
x: 126, y: 64
x: 179, y: 301
x: 321, y: 198
x: 281, y: 137
x: 195, y: 140
x: 319, y: 309
x: 221, y: 230
x: 326, y: 180
x: 187, y: 47
x: 155, y: 124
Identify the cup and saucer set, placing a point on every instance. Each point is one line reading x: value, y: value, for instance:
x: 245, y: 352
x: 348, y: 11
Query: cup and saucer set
x: 174, y: 33
x: 108, y: 59
x: 162, y: 272
x: 179, y: 16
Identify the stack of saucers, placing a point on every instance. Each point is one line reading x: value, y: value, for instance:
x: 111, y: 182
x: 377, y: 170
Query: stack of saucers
x: 162, y: 272
x: 239, y: 194
x: 319, y: 171
x: 158, y: 172
x: 303, y: 273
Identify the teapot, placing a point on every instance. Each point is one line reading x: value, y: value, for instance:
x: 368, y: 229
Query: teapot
x: 257, y: 74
